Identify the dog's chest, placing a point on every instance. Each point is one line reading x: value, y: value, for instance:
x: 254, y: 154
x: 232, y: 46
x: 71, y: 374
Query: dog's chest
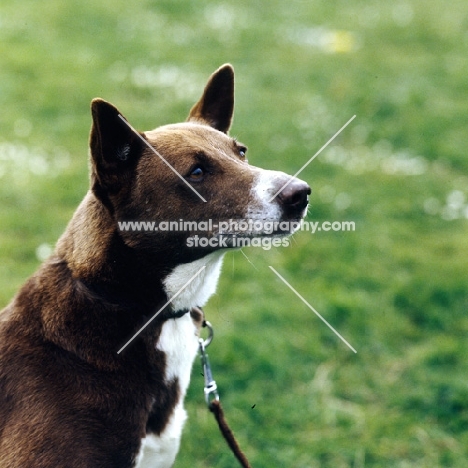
x: 179, y: 342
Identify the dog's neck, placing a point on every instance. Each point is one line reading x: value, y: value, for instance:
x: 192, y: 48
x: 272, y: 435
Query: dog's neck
x: 89, y: 247
x: 96, y: 255
x: 88, y: 235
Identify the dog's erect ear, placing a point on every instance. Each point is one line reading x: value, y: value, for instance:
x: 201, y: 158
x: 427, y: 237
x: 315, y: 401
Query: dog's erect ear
x: 113, y: 143
x: 216, y: 106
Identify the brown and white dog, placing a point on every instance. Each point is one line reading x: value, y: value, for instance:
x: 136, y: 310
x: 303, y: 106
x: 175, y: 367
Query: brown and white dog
x: 68, y: 399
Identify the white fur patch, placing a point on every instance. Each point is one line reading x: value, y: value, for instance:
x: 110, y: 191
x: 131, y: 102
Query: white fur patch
x: 160, y: 452
x: 201, y: 288
x: 179, y: 342
x: 263, y: 189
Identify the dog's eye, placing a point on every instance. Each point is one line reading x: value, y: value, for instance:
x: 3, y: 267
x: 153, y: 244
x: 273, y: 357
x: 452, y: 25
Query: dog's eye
x: 197, y: 173
x: 242, y: 152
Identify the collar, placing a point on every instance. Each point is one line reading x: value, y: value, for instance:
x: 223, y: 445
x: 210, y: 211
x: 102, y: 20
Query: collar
x: 177, y: 313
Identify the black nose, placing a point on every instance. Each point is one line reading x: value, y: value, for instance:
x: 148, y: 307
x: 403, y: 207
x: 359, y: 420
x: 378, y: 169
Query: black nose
x: 295, y: 196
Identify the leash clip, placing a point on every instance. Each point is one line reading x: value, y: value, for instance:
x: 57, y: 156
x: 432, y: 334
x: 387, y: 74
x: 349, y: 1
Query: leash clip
x: 211, y: 389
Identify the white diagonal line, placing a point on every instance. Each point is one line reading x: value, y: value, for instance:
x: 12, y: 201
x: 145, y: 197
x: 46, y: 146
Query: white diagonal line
x: 312, y: 158
x: 160, y: 157
x: 311, y: 308
x: 161, y: 309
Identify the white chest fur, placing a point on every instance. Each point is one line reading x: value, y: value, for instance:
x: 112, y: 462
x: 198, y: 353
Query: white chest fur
x: 200, y: 288
x: 179, y: 342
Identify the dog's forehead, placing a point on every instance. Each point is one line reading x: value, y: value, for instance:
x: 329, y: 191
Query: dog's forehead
x: 190, y: 135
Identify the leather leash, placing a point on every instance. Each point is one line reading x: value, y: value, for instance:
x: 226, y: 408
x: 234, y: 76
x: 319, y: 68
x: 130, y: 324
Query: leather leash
x: 212, y: 399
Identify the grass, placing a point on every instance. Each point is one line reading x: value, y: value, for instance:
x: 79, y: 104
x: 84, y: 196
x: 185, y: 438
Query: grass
x: 396, y: 288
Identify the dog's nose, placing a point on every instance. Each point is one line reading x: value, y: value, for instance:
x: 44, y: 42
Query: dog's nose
x: 294, y: 197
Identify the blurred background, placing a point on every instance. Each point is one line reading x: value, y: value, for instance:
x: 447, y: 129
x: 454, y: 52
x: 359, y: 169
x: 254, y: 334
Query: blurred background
x: 395, y: 288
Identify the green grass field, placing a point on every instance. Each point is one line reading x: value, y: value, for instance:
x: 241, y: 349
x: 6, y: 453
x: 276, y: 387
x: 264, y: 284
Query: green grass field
x: 396, y: 288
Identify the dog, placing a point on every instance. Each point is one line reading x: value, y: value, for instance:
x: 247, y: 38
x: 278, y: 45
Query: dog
x: 68, y: 397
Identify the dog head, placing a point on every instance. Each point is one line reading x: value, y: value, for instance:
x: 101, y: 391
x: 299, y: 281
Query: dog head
x: 192, y: 171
